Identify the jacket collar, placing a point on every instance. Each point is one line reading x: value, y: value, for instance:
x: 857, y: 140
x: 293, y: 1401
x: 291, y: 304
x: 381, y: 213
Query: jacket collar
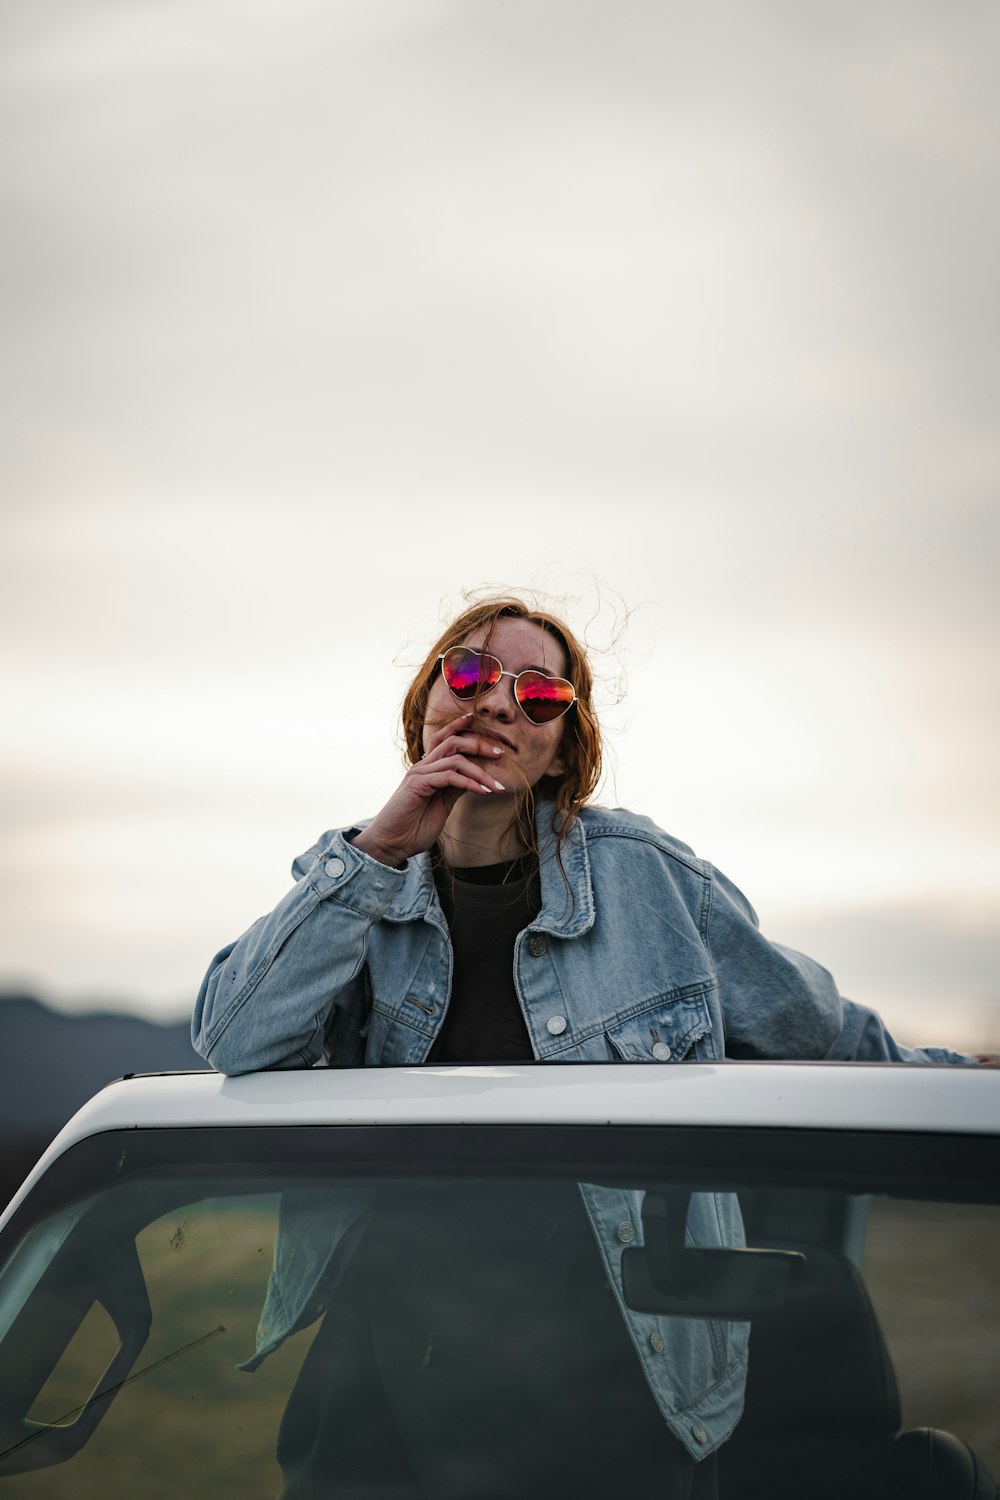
x: 567, y: 904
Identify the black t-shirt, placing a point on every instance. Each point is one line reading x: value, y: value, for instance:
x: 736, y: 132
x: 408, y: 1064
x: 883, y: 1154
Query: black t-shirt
x: 477, y: 1328
x: 486, y: 906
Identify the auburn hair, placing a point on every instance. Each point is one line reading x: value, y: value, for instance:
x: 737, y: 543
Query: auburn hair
x: 580, y: 748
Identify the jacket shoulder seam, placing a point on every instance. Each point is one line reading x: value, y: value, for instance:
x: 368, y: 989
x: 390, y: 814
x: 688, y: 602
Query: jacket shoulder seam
x: 659, y: 841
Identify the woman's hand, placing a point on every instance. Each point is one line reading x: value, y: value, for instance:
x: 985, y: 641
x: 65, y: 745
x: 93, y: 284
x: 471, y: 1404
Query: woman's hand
x: 456, y: 761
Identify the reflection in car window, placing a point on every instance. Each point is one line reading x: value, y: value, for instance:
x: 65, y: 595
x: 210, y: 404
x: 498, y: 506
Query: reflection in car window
x: 472, y: 1278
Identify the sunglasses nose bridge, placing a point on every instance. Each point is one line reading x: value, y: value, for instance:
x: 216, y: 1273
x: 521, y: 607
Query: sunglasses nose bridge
x: 500, y: 697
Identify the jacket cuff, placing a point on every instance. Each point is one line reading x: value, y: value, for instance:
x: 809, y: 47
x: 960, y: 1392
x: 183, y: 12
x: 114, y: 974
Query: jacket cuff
x: 342, y: 873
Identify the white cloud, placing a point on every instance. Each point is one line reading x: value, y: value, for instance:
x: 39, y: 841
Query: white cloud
x: 316, y: 313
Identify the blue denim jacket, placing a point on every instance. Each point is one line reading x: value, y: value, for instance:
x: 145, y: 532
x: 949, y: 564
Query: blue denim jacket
x: 640, y: 952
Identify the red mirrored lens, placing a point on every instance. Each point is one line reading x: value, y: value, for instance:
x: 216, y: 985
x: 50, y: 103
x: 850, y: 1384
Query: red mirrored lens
x: 543, y: 698
x: 465, y: 670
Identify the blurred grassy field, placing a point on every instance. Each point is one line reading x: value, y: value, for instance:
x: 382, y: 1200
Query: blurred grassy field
x: 196, y: 1426
x: 933, y: 1271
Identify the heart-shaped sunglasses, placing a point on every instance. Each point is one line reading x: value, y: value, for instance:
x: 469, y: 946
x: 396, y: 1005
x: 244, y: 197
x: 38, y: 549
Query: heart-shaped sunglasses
x: 539, y: 697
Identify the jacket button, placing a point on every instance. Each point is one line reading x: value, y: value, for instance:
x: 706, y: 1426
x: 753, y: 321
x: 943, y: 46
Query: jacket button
x: 625, y: 1233
x: 661, y: 1052
x: 538, y: 944
x: 699, y: 1434
x: 556, y: 1024
x: 656, y: 1343
x: 335, y: 867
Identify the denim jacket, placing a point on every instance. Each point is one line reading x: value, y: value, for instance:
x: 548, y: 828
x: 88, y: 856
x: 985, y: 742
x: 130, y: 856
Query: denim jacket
x: 640, y: 952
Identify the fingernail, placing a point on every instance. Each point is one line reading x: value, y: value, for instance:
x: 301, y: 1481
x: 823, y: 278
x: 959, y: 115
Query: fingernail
x: 497, y: 749
x: 499, y: 786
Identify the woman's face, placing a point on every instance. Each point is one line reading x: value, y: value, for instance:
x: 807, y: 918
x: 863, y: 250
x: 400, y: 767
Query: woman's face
x: 518, y: 644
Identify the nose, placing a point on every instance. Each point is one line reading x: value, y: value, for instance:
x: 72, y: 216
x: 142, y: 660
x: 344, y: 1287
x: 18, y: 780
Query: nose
x: 499, y: 702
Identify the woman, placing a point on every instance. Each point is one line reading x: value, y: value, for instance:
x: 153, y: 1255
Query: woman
x: 488, y: 913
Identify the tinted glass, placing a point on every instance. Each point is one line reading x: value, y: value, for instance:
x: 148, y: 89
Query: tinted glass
x: 471, y: 1346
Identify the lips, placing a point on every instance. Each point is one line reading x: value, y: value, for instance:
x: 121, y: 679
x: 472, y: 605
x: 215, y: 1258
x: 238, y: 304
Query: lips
x: 493, y: 734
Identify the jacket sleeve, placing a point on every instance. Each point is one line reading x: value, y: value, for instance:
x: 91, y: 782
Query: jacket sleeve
x: 780, y: 1004
x: 291, y: 990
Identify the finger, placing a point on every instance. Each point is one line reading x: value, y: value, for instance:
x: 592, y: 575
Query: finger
x: 466, y: 743
x: 454, y: 723
x: 462, y: 766
x: 435, y: 774
x: 449, y: 780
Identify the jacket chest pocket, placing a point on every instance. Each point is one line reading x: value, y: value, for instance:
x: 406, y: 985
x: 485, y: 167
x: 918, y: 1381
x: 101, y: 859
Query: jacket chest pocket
x: 666, y: 1029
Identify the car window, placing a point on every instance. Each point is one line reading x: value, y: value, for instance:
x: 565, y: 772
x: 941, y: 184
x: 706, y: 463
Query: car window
x: 186, y: 1420
x: 475, y: 1251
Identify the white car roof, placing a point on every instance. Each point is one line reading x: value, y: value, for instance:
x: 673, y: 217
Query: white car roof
x: 833, y: 1096
x: 817, y: 1095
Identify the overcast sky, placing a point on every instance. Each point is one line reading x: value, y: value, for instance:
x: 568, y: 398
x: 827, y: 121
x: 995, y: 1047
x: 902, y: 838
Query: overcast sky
x: 317, y: 312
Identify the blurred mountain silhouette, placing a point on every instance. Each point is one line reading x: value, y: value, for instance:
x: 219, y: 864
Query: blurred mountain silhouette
x: 51, y: 1063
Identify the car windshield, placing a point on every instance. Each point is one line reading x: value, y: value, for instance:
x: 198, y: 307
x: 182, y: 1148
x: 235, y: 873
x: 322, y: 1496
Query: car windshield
x: 207, y: 1312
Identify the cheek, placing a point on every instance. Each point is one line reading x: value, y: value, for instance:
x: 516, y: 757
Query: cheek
x: 556, y: 765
